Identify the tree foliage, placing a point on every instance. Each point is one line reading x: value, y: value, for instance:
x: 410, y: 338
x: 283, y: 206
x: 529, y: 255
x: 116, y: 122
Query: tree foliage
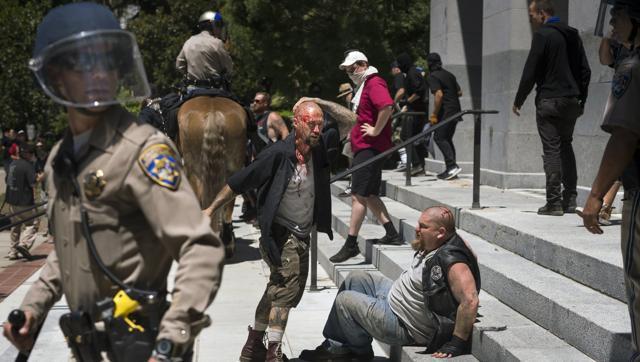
x: 296, y: 43
x: 291, y: 43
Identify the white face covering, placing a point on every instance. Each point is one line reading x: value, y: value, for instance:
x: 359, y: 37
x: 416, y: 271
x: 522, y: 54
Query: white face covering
x: 357, y: 78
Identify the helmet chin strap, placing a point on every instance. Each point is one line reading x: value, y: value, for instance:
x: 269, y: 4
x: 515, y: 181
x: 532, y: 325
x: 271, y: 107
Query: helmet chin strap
x: 92, y: 112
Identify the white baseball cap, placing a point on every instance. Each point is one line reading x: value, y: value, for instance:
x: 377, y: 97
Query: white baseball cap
x: 352, y: 57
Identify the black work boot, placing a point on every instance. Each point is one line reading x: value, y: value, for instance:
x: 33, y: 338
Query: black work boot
x: 346, y: 252
x: 554, y: 195
x: 274, y: 353
x: 551, y: 210
x: 254, y: 349
x: 569, y: 202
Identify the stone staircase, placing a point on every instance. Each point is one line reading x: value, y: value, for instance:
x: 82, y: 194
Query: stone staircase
x: 550, y: 290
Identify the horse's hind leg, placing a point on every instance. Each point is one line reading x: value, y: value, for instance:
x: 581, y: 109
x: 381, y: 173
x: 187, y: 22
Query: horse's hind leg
x: 228, y: 238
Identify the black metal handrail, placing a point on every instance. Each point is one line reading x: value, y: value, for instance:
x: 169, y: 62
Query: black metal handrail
x: 408, y: 143
x: 411, y: 140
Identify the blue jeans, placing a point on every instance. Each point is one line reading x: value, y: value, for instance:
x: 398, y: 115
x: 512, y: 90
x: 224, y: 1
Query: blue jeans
x: 361, y: 312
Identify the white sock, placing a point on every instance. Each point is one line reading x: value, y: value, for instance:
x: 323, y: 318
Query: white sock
x: 403, y: 155
x: 275, y: 335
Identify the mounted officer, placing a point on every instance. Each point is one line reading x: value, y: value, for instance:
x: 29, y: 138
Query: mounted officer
x: 114, y: 185
x: 203, y: 60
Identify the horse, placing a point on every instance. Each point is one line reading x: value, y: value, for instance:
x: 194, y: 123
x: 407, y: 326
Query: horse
x: 212, y: 139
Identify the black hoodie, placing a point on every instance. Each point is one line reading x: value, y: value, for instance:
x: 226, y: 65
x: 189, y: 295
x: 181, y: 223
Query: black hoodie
x: 557, y: 65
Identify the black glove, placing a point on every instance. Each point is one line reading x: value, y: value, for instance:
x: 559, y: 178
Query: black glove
x: 455, y: 347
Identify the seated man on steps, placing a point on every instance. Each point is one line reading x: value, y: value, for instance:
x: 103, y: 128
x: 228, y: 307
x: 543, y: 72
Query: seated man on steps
x: 433, y: 303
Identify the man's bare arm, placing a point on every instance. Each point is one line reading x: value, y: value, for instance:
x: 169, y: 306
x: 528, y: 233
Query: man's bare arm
x: 463, y: 287
x: 437, y: 101
x: 225, y: 195
x: 399, y: 95
x: 338, y: 112
x: 383, y: 117
x: 277, y: 129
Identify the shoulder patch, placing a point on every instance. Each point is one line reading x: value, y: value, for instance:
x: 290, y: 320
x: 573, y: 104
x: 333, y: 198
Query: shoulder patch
x: 159, y: 162
x: 621, y: 81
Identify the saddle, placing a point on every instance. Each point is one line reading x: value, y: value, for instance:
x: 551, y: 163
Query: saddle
x: 162, y: 113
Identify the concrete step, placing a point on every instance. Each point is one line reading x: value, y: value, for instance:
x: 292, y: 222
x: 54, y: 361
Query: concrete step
x: 594, y: 323
x: 508, y: 218
x: 522, y: 340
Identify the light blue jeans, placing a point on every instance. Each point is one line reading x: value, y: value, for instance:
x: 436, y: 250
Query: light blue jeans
x: 361, y: 312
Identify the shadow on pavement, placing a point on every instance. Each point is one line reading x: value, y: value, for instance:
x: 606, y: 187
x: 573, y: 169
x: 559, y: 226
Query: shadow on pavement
x: 244, y: 252
x: 375, y: 359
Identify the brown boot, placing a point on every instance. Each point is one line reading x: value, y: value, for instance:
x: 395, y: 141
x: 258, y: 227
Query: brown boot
x: 274, y: 354
x: 254, y: 350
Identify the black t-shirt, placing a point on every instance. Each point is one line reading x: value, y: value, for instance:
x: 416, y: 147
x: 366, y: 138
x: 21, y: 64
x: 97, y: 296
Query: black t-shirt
x: 414, y: 84
x: 6, y: 145
x: 20, y: 182
x: 441, y: 79
x: 397, y: 83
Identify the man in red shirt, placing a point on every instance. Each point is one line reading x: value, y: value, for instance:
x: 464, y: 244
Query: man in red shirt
x: 370, y: 136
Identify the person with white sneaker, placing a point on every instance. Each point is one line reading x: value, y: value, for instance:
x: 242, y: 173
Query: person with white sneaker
x: 446, y: 93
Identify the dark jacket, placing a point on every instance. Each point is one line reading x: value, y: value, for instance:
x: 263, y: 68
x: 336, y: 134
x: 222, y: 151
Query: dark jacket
x: 414, y: 82
x: 439, y: 301
x: 557, y: 65
x: 270, y: 173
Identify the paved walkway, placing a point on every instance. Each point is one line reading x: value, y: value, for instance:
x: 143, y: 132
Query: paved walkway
x: 244, y: 279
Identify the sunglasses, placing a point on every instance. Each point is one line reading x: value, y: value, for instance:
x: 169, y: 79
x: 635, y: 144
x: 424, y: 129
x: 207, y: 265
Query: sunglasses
x: 256, y: 101
x: 87, y: 62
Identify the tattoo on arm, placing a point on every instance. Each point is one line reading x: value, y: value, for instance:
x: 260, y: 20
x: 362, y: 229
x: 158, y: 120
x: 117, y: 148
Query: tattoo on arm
x: 278, y: 318
x: 337, y: 111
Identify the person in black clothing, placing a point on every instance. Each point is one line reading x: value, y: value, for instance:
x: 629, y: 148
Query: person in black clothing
x: 8, y: 137
x: 415, y: 90
x: 21, y: 181
x: 397, y: 84
x: 292, y: 177
x: 446, y: 103
x: 558, y: 66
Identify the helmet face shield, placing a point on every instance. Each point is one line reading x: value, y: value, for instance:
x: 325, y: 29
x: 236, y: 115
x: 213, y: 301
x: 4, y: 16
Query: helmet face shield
x: 92, y: 69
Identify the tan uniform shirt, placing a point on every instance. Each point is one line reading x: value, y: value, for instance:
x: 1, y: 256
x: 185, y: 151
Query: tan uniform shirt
x: 623, y: 106
x: 140, y: 221
x: 203, y: 57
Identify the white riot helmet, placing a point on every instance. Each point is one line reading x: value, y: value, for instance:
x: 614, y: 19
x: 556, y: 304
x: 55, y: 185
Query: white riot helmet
x: 212, y: 21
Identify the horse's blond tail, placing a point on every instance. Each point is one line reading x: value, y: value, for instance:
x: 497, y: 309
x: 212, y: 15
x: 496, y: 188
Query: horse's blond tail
x: 212, y: 165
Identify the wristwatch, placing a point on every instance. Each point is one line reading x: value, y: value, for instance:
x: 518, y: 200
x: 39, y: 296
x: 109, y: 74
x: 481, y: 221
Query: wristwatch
x: 162, y: 351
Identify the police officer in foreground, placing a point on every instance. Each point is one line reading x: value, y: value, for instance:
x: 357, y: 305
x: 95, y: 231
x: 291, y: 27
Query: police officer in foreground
x: 114, y: 184
x: 622, y: 154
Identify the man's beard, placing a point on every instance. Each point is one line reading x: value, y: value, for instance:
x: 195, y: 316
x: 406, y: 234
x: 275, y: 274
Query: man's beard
x: 313, y: 141
x: 416, y: 244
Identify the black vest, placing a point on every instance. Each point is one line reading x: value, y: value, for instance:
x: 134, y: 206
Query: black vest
x: 437, y: 292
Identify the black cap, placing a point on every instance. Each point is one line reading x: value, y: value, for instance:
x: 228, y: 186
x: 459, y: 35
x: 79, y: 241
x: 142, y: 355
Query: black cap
x: 434, y: 58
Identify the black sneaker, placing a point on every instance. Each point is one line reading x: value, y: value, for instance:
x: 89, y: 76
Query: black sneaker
x: 345, y: 253
x: 391, y: 240
x: 323, y: 354
x: 450, y: 173
x: 22, y: 250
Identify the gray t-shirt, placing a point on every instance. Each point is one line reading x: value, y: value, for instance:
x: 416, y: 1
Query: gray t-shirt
x: 296, y: 207
x: 407, y: 301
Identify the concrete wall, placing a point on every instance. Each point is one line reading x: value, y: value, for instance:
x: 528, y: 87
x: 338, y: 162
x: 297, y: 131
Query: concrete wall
x: 485, y: 44
x: 456, y: 34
